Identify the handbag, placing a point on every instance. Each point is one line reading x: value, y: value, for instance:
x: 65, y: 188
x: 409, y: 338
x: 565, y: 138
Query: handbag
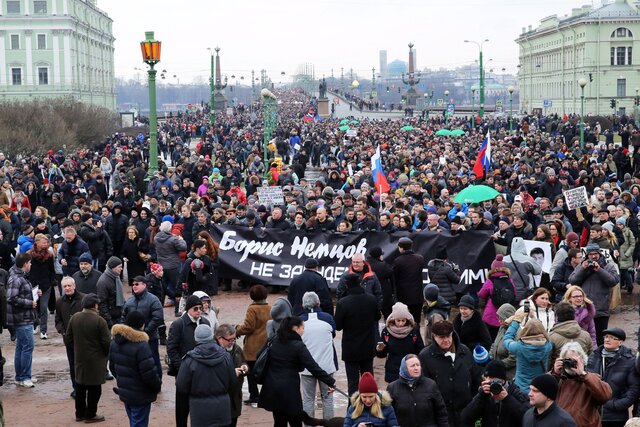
x: 261, y: 366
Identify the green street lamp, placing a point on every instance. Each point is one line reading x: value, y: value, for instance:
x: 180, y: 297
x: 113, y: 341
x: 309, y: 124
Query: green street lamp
x: 151, y: 56
x: 582, y: 82
x: 510, y: 89
x: 473, y: 108
x: 269, y: 116
x: 637, y: 103
x: 446, y: 110
x: 481, y: 110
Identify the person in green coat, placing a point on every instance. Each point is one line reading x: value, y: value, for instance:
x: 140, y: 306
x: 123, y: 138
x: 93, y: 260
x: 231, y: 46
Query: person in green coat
x: 89, y: 335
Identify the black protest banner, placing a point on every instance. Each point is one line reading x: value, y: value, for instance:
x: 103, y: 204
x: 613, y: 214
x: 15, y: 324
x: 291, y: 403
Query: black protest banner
x: 274, y: 257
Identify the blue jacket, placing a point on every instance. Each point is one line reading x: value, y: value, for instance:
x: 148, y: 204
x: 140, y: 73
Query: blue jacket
x: 388, y: 413
x: 25, y: 243
x: 531, y: 360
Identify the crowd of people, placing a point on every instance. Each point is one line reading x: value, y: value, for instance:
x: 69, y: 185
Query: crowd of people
x: 527, y: 347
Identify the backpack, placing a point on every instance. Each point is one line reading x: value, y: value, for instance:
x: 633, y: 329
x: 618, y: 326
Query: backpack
x: 503, y: 292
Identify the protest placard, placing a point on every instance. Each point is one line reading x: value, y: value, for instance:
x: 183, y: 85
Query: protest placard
x: 576, y: 197
x: 272, y: 196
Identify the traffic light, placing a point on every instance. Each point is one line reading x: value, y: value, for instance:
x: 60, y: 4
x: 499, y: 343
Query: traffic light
x: 613, y: 104
x: 590, y: 77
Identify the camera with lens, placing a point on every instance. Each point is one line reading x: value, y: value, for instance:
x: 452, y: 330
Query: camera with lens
x: 590, y: 263
x: 569, y: 363
x: 495, y: 387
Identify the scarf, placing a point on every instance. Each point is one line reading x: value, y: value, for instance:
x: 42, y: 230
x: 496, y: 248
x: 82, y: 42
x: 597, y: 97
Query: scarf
x: 465, y: 318
x: 538, y: 339
x: 399, y: 331
x: 119, y: 293
x: 404, y: 373
x: 607, y: 353
x: 40, y: 255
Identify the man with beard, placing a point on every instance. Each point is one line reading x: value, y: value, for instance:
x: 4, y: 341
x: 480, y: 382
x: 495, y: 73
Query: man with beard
x: 551, y: 187
x: 86, y: 279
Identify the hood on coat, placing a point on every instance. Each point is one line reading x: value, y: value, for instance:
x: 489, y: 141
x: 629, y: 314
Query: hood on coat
x: 208, y: 353
x: 505, y: 311
x: 501, y: 271
x: 280, y: 309
x: 519, y: 250
x: 569, y: 329
x: 385, y: 398
x: 438, y: 264
x: 123, y: 333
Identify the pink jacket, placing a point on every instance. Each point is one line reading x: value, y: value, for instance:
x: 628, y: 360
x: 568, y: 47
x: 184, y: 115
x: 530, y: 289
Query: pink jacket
x: 490, y: 314
x: 584, y: 317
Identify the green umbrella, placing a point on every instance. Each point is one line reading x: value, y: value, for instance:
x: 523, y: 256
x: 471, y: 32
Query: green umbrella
x: 344, y: 128
x: 354, y: 122
x: 443, y: 132
x: 407, y: 128
x: 344, y: 121
x: 475, y: 194
x: 457, y: 132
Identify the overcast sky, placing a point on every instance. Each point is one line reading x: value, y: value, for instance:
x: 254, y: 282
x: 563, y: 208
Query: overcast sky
x: 279, y: 35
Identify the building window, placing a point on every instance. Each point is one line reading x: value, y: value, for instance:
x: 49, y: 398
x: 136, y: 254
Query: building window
x: 40, y: 6
x: 621, y: 32
x: 42, y: 41
x: 15, y: 41
x: 621, y: 55
x: 622, y: 88
x: 43, y: 76
x: 629, y: 56
x: 16, y: 76
x: 13, y: 7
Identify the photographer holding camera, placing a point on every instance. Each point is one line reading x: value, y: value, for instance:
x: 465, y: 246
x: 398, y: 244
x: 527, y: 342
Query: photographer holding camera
x: 580, y: 393
x: 499, y: 403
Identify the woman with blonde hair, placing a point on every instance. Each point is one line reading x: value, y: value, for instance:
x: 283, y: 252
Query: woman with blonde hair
x: 585, y: 310
x: 369, y: 406
x: 531, y: 346
x: 107, y: 170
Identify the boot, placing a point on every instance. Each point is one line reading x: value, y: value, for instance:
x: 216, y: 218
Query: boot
x: 162, y: 334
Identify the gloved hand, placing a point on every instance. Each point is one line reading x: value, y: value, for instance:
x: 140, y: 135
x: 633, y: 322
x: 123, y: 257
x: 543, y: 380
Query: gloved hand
x: 185, y: 287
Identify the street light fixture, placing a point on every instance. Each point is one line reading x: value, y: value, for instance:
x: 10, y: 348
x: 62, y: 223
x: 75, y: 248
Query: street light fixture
x: 637, y: 102
x: 446, y: 103
x: 151, y: 56
x: 510, y: 89
x: 481, y: 110
x: 582, y: 82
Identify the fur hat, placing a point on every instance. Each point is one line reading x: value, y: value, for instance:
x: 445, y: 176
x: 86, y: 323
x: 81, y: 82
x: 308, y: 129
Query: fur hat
x: 442, y: 328
x: 498, y: 262
x: 367, y: 384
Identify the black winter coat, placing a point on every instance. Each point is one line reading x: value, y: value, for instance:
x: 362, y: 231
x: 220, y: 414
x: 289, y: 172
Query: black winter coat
x: 309, y: 281
x: 561, y: 278
x: 357, y: 315
x: 132, y: 364
x: 442, y: 275
x: 181, y: 340
x: 407, y: 273
x: 116, y: 227
x: 65, y: 308
x: 457, y: 381
x: 384, y: 273
x: 150, y: 307
x: 87, y: 284
x: 397, y: 348
x: 418, y: 405
x: 281, y: 389
x: 92, y: 236
x: 621, y: 375
x: 505, y: 413
x: 207, y: 375
x: 71, y: 252
x: 473, y: 332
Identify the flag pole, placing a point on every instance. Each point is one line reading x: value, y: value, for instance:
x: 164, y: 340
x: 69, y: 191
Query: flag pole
x: 380, y: 199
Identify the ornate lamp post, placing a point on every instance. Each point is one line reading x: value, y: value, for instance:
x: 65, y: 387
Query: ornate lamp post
x: 446, y: 112
x: 582, y: 82
x: 481, y: 110
x: 269, y: 116
x: 151, y: 56
x: 637, y: 103
x: 212, y: 98
x: 510, y: 89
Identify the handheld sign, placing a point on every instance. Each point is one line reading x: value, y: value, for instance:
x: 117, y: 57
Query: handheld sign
x: 576, y: 197
x: 272, y: 196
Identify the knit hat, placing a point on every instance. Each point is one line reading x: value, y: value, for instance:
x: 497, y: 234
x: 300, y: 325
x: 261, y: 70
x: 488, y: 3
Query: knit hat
x: 456, y: 220
x: 547, y: 385
x: 498, y: 262
x: 480, y: 355
x: 85, y: 217
x: 90, y: 301
x: 352, y: 279
x: 203, y: 333
x: 572, y: 237
x: 155, y: 267
x: 431, y: 292
x: 488, y: 216
x: 86, y: 257
x: 367, y: 384
x: 467, y: 301
x: 400, y: 311
x: 197, y: 264
x: 622, y: 220
x: 593, y: 247
x: 442, y: 328
x: 505, y: 311
x: 27, y: 229
x: 192, y: 301
x: 505, y: 219
x: 135, y: 319
x: 167, y: 218
x: 608, y: 226
x: 496, y: 369
x: 311, y: 263
x: 113, y: 262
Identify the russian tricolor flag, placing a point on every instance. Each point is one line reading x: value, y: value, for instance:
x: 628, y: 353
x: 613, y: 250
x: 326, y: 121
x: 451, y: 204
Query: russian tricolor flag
x: 380, y: 180
x: 483, y: 161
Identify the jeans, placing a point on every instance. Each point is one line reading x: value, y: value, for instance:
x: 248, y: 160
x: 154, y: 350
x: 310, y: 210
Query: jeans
x: 170, y: 282
x: 87, y: 398
x: 354, y: 370
x: 43, y: 308
x: 72, y: 369
x: 22, y: 359
x: 138, y: 415
x: 309, y: 397
x: 154, y: 345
